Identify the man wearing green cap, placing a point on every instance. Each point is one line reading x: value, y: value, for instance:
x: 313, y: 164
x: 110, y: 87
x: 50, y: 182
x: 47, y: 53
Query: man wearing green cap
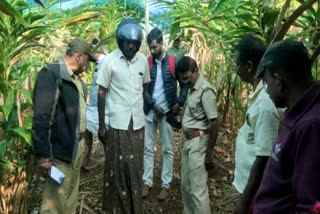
x: 59, y: 124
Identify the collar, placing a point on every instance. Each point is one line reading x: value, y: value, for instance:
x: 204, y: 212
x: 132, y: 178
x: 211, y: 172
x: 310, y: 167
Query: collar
x: 64, y: 71
x: 198, y: 82
x: 100, y: 58
x: 310, y: 97
x: 164, y: 56
x: 65, y: 75
x: 70, y: 72
x: 256, y: 92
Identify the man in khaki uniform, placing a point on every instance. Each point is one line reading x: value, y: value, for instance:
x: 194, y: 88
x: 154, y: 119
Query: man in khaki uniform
x: 59, y: 124
x: 200, y: 130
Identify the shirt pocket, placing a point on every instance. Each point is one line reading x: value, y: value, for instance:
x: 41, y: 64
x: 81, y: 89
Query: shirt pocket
x: 250, y: 138
x: 250, y: 124
x: 194, y: 109
x: 138, y: 81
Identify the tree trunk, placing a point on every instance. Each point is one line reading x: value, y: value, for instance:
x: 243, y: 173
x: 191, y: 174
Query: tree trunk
x: 315, y: 54
x: 279, y: 20
x: 286, y: 26
x: 227, y: 104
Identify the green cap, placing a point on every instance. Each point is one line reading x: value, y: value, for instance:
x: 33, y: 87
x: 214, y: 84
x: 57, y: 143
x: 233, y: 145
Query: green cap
x: 82, y: 46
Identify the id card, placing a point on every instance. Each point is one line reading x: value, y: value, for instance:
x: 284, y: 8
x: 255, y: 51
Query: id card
x: 57, y: 175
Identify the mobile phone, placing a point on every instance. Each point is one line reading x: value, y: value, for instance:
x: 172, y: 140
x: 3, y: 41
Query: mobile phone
x: 57, y: 175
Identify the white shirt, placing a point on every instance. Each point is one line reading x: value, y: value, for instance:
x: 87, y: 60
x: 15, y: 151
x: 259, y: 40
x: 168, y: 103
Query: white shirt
x: 99, y: 61
x: 124, y: 82
x: 159, y: 93
x: 256, y: 135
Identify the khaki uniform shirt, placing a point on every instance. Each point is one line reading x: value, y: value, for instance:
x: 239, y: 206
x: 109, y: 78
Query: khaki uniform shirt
x: 124, y: 82
x: 76, y: 79
x: 197, y: 115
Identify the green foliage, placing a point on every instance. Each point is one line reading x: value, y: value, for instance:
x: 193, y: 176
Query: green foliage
x: 30, y: 38
x: 18, y: 34
x: 213, y: 28
x: 8, y: 9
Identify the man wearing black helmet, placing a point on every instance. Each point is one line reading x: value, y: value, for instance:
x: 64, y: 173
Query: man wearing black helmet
x: 123, y: 74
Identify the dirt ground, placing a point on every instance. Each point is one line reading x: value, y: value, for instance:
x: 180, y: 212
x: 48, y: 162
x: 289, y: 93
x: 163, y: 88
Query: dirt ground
x: 222, y: 196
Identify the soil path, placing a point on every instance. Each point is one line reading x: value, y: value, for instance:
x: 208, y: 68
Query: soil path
x: 221, y: 193
x: 222, y: 196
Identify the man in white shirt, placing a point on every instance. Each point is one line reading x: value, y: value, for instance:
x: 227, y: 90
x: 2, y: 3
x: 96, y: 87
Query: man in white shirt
x: 161, y: 104
x: 260, y: 128
x: 122, y: 78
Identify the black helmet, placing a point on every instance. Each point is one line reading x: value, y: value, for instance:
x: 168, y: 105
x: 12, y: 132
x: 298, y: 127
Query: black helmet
x: 129, y: 29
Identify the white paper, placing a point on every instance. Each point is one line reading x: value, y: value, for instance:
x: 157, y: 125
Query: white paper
x: 57, y: 175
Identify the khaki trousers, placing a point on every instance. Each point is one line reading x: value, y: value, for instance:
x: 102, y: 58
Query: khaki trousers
x: 194, y: 176
x: 62, y: 198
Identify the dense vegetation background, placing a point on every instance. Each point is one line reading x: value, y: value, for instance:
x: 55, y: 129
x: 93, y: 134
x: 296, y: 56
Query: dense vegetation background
x: 32, y: 35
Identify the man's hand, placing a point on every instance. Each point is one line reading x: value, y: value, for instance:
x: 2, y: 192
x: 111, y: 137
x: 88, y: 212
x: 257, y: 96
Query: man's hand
x: 209, y: 161
x: 159, y: 111
x: 102, y: 133
x: 176, y: 109
x: 242, y: 206
x: 45, y: 166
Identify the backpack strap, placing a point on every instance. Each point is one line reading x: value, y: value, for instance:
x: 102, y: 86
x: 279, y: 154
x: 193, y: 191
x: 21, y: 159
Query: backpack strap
x: 150, y: 62
x: 192, y: 114
x: 172, y: 64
